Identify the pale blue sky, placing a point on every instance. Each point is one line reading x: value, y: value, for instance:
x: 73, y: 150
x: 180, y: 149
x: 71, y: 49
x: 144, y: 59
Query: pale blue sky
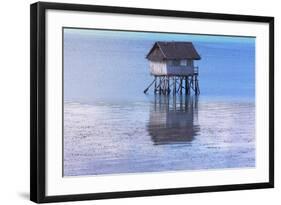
x: 159, y: 36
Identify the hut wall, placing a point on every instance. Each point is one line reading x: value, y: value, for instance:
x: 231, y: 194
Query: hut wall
x: 162, y: 68
x: 158, y: 67
x: 180, y: 70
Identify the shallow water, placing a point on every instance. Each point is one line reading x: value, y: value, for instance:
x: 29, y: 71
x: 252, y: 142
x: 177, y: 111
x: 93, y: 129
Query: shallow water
x: 111, y: 127
x: 165, y: 134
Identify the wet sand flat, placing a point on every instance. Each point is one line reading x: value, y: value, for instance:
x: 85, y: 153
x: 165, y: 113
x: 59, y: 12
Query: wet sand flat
x: 153, y: 137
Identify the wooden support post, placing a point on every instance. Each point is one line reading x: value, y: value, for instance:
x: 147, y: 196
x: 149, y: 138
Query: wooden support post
x: 175, y: 86
x: 149, y: 86
x: 180, y: 85
x: 169, y: 90
x: 195, y: 85
x: 160, y: 85
x: 185, y: 82
x: 188, y: 85
x: 192, y: 79
x: 197, y: 90
x: 165, y: 85
x: 155, y: 102
x: 155, y: 84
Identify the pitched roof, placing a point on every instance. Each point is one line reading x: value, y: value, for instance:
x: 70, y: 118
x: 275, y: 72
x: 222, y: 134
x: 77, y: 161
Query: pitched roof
x: 172, y: 50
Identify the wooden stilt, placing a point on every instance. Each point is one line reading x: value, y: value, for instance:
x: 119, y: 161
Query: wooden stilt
x: 149, y: 86
x: 160, y: 85
x: 197, y: 91
x: 186, y: 85
x: 180, y: 85
x: 155, y: 84
x: 175, y: 86
x: 169, y: 90
x: 165, y: 85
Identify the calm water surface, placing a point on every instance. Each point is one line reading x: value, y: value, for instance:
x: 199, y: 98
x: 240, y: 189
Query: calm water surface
x: 111, y: 127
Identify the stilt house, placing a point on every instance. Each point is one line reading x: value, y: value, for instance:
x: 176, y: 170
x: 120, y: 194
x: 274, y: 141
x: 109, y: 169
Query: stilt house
x: 174, y: 61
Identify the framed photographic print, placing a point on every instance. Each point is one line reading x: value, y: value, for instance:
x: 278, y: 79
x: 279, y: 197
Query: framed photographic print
x: 129, y: 102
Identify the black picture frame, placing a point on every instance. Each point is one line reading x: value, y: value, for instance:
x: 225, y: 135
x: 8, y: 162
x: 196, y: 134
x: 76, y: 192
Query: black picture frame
x: 38, y: 101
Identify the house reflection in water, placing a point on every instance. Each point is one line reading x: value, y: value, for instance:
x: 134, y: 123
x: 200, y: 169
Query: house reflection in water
x: 173, y: 119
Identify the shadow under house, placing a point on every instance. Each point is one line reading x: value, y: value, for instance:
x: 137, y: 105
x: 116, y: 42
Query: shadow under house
x: 172, y: 65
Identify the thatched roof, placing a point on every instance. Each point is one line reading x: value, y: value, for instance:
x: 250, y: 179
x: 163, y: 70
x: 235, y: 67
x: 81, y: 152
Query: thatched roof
x: 173, y: 50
